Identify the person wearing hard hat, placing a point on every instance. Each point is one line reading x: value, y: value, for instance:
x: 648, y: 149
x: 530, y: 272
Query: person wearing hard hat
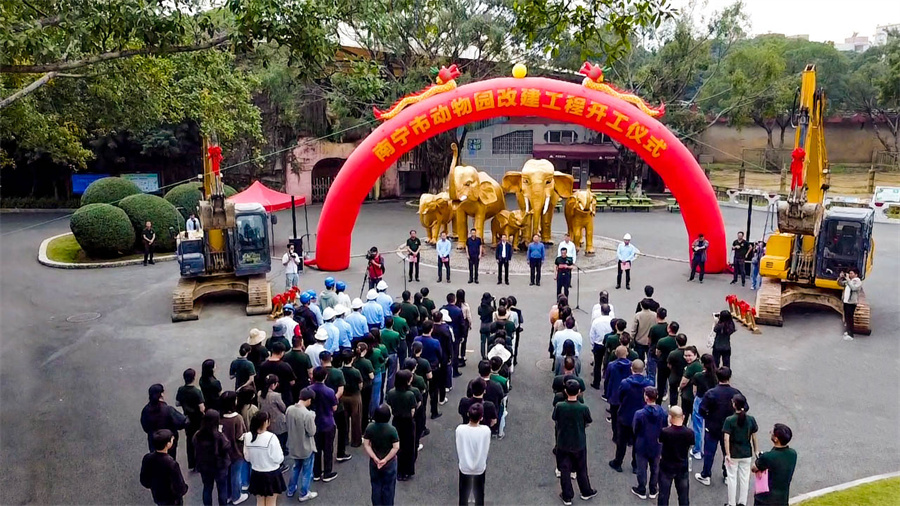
x: 625, y: 253
x: 332, y: 344
x: 291, y: 327
x: 342, y: 311
x: 383, y: 298
x: 318, y: 347
x: 373, y: 311
x: 314, y: 306
x: 359, y: 327
x: 328, y: 297
x: 306, y: 318
x: 343, y: 299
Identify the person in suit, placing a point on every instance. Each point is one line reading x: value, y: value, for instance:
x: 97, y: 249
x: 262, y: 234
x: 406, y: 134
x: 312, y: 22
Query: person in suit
x: 504, y: 255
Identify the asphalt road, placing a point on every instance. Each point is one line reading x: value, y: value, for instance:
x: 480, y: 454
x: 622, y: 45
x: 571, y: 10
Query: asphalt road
x: 71, y: 393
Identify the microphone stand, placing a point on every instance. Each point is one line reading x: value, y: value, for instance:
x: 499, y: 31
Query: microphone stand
x: 578, y: 289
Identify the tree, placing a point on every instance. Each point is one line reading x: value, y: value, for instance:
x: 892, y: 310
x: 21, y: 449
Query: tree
x: 875, y: 91
x: 53, y: 37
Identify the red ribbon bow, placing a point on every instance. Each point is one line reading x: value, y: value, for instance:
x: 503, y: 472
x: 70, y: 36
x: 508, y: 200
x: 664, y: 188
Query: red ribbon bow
x: 215, y: 157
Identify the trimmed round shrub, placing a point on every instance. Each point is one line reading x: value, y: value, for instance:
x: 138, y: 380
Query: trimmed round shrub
x: 108, y: 190
x: 186, y: 197
x: 157, y: 210
x: 102, y: 230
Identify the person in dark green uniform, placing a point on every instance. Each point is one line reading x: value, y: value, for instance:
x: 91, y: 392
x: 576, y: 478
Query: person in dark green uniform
x: 676, y: 364
x: 428, y: 303
x: 692, y: 366
x: 382, y: 444
x: 658, y: 331
x: 190, y: 398
x: 572, y: 418
x: 367, y: 371
x: 412, y: 254
x: 401, y: 326
x: 352, y: 398
x: 410, y: 313
x: 148, y: 237
x: 336, y: 382
x: 390, y: 338
x: 780, y: 462
x: 665, y: 346
x: 403, y: 403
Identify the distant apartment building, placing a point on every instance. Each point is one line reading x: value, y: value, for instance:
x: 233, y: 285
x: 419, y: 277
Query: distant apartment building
x: 882, y: 32
x: 855, y: 44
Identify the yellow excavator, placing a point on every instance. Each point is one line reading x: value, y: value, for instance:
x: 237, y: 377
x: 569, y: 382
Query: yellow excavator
x: 229, y: 252
x: 814, y: 245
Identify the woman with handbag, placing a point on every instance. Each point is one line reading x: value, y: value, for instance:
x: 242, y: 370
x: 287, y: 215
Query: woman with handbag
x: 739, y: 432
x: 721, y: 339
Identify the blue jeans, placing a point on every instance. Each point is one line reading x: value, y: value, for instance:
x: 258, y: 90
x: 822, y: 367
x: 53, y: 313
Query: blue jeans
x: 384, y: 482
x: 236, y: 478
x: 376, y: 393
x: 291, y: 280
x: 301, y: 474
x: 755, y: 278
x: 697, y: 423
x: 643, y: 461
x: 651, y: 367
x: 391, y: 370
x: 710, y: 444
x: 219, y: 478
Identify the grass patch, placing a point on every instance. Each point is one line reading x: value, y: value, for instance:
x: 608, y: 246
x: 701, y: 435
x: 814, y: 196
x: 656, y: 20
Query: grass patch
x: 66, y: 249
x: 879, y: 493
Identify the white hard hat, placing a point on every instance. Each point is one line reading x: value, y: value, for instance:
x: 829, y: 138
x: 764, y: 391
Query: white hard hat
x: 340, y: 310
x: 328, y: 314
x: 321, y: 334
x: 446, y: 316
x: 627, y: 237
x: 357, y: 303
x: 381, y: 285
x: 371, y: 294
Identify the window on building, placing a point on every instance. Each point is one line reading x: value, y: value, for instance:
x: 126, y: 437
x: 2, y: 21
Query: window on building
x: 520, y: 142
x: 561, y: 137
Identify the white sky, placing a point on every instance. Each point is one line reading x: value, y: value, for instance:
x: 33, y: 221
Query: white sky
x: 822, y: 19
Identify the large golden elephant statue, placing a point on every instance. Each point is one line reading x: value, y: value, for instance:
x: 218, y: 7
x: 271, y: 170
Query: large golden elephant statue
x: 435, y: 213
x: 539, y: 187
x: 475, y: 194
x: 512, y: 223
x: 580, y: 211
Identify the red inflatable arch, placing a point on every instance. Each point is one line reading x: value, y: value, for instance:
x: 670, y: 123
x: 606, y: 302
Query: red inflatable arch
x: 531, y: 96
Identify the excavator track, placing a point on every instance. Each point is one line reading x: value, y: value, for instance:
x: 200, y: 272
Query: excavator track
x: 183, y: 308
x: 259, y: 295
x: 768, y: 303
x: 775, y: 295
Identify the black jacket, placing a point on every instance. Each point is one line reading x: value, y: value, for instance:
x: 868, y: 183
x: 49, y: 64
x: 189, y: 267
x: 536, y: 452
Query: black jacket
x: 443, y: 334
x: 716, y: 407
x: 212, y: 454
x: 162, y: 475
x: 163, y: 416
x: 500, y: 248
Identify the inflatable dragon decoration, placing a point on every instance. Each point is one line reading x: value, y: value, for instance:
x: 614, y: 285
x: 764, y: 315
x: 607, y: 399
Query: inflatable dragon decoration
x: 594, y: 81
x: 445, y: 82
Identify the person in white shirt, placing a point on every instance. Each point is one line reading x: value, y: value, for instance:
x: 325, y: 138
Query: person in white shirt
x: 263, y: 451
x: 291, y: 261
x: 288, y: 320
x: 568, y: 333
x: 318, y: 347
x: 569, y: 245
x: 192, y: 224
x: 596, y: 311
x: 625, y: 253
x: 473, y: 441
x: 601, y: 326
x: 342, y: 297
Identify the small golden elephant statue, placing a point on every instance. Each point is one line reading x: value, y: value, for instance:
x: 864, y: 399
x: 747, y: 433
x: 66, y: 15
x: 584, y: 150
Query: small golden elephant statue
x: 435, y: 213
x: 580, y: 210
x: 512, y: 223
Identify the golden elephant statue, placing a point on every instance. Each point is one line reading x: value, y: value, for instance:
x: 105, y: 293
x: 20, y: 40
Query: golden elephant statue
x: 435, y: 214
x: 475, y: 194
x: 580, y: 210
x: 512, y: 223
x: 538, y: 187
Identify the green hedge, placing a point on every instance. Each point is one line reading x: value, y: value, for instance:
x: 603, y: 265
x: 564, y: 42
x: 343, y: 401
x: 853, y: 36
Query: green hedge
x: 186, y: 197
x: 102, y: 230
x: 108, y: 190
x: 157, y: 210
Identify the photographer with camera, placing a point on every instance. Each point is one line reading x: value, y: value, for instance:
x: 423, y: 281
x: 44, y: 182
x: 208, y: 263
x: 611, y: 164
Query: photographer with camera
x: 375, y: 268
x: 291, y: 262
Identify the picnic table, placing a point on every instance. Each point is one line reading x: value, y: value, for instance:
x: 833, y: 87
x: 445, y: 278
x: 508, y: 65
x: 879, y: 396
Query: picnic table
x: 619, y: 203
x: 644, y: 203
x: 672, y: 205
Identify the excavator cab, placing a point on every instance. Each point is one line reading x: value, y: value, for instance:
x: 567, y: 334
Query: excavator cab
x: 251, y: 244
x: 844, y: 243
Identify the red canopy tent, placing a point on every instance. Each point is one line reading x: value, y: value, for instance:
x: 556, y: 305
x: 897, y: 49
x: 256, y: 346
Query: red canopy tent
x: 270, y: 199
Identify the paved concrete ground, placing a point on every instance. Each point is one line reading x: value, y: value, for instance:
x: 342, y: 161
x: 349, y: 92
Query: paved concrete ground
x: 71, y: 393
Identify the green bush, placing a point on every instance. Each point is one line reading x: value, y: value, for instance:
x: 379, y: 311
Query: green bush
x: 157, y: 210
x: 102, y: 230
x: 186, y: 197
x: 108, y: 190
